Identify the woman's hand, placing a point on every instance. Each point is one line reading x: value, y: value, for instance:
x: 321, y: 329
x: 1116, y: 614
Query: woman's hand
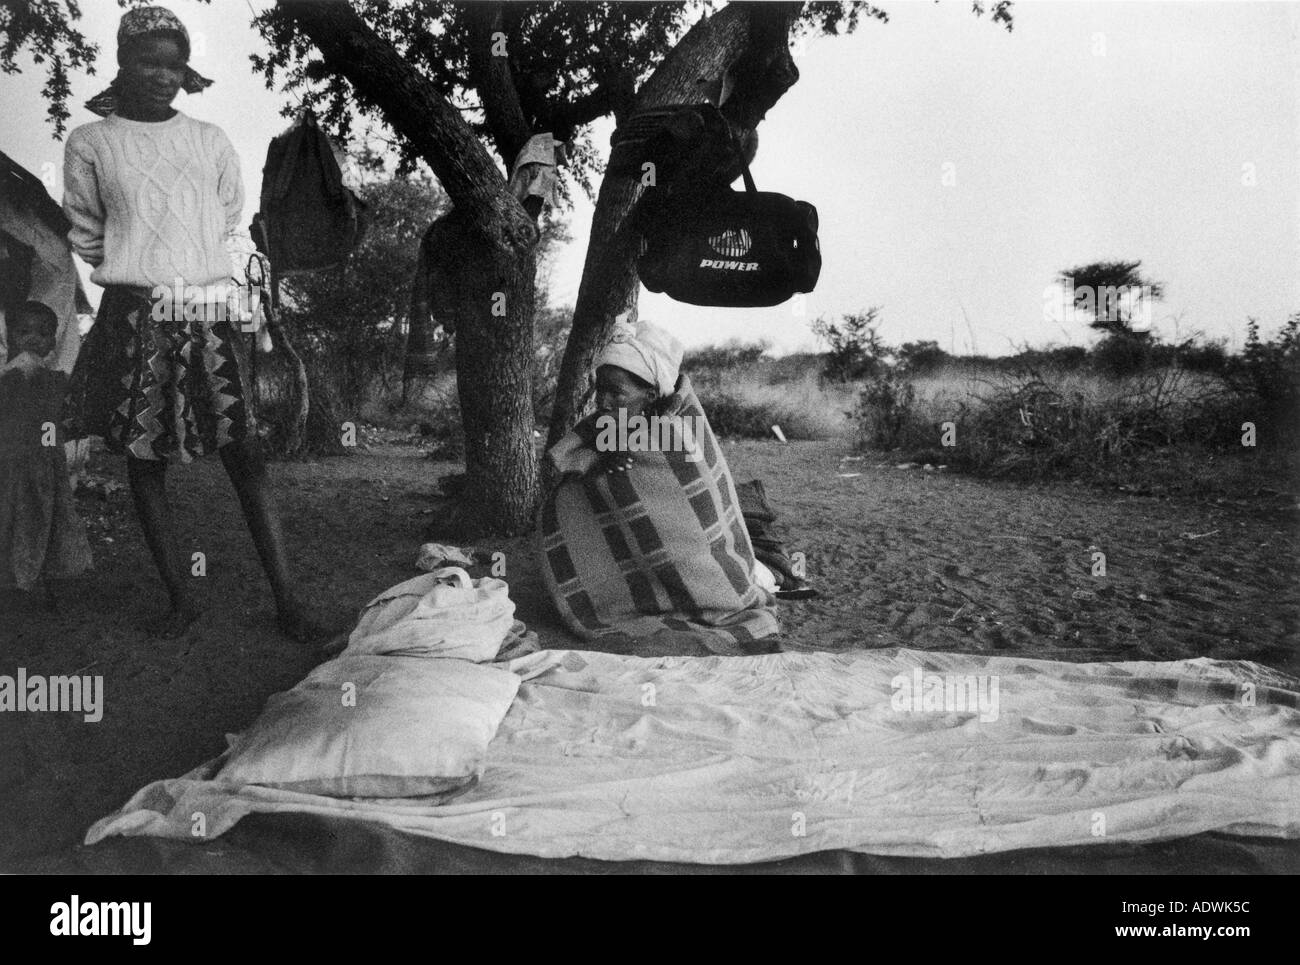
x: 606, y: 461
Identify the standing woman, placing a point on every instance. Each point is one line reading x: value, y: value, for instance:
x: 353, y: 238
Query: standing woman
x: 152, y: 195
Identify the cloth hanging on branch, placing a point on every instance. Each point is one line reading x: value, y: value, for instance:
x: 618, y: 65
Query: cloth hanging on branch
x: 533, y: 174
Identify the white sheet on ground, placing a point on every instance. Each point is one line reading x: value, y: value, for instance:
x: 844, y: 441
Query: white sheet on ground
x: 738, y: 759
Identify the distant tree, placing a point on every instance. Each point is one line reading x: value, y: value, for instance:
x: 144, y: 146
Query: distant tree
x: 919, y: 357
x: 856, y: 349
x: 1110, y: 292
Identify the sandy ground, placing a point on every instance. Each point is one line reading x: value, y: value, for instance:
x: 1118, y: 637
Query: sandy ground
x: 903, y: 557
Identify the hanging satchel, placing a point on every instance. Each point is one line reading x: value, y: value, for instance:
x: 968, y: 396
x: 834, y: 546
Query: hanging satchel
x: 718, y: 247
x: 309, y: 219
x: 739, y: 249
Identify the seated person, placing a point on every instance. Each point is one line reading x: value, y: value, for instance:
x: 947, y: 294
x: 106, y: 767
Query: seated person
x: 642, y: 535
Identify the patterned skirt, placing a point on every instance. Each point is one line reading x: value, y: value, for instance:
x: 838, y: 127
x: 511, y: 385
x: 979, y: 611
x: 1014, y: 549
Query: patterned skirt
x: 158, y: 388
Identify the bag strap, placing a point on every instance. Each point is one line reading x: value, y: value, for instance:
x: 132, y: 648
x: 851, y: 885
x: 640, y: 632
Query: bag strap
x: 744, y: 165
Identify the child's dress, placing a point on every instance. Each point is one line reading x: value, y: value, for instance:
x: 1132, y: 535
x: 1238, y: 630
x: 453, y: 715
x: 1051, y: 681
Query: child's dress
x: 41, y: 534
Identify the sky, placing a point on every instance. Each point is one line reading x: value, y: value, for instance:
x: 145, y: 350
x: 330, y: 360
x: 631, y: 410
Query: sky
x: 956, y: 168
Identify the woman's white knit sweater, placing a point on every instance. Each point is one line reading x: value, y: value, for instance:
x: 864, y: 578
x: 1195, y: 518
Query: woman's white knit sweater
x: 152, y: 203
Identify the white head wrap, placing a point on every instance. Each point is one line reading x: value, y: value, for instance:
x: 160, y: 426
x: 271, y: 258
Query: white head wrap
x: 645, y: 350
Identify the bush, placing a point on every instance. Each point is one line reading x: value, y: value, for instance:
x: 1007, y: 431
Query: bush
x: 1035, y: 425
x: 921, y: 358
x: 730, y: 415
x: 429, y: 408
x: 1122, y: 355
x: 1066, y: 358
x: 1266, y: 378
x: 886, y: 414
x: 748, y: 408
x: 1171, y: 420
x: 1210, y: 357
x: 442, y: 425
x: 856, y: 348
x: 745, y: 394
x: 803, y: 367
x: 713, y: 360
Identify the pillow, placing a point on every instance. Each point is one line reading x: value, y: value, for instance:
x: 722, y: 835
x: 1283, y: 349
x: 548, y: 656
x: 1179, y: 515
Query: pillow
x: 370, y: 726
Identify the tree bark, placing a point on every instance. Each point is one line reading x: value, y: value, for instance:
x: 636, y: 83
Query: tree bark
x: 490, y: 75
x: 751, y: 42
x: 494, y: 361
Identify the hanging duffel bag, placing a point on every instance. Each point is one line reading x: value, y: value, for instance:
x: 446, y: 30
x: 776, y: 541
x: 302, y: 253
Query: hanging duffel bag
x: 738, y: 249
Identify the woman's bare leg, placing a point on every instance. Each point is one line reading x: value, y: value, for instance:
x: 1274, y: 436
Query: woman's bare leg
x: 148, y: 479
x: 246, y: 467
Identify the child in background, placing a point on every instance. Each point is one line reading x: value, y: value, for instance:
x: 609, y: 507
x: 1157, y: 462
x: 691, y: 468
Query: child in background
x: 41, y: 536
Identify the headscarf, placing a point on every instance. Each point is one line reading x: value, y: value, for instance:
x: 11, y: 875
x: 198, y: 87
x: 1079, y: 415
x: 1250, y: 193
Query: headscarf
x: 144, y: 22
x: 645, y: 350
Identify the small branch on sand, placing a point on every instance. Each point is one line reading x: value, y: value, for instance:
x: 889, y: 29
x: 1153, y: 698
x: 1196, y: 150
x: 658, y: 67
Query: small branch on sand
x: 938, y: 579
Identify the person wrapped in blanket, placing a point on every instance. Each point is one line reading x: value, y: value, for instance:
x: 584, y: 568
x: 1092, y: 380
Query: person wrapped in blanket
x: 643, y: 535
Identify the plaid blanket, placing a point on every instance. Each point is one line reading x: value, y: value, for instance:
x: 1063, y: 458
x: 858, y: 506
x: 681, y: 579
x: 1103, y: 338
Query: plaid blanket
x: 659, y: 547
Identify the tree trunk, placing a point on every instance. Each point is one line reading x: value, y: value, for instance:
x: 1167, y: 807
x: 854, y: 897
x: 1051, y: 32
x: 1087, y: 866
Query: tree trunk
x: 749, y: 41
x: 494, y: 382
x: 491, y: 303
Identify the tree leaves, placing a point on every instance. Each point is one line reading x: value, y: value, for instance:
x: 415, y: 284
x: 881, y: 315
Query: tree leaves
x: 47, y: 30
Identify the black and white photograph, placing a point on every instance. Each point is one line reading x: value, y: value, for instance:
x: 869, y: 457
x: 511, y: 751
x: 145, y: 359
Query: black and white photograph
x: 651, y: 438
